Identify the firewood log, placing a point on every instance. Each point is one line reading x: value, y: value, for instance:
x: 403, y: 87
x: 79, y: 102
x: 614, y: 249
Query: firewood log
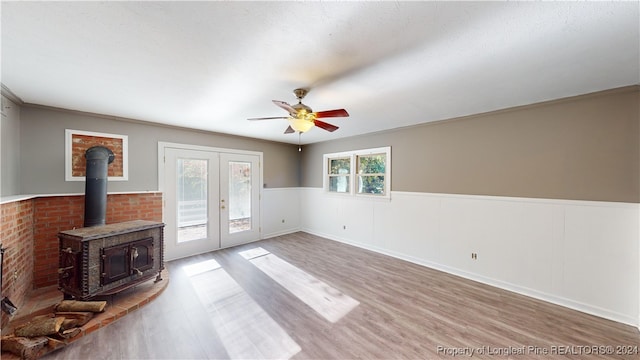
x: 74, y: 319
x: 74, y: 305
x: 53, y: 344
x: 26, y: 348
x: 40, y: 326
x: 49, y: 315
x: 69, y: 333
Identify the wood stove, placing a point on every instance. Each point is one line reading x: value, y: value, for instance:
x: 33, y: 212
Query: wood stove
x: 101, y: 259
x: 106, y: 259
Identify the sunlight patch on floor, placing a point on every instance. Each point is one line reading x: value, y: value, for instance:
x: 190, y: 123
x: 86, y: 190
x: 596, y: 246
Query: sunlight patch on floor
x: 327, y: 301
x: 253, y: 253
x: 245, y: 329
x: 199, y: 268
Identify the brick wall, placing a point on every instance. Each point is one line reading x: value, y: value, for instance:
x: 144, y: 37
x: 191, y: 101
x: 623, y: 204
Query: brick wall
x: 80, y: 145
x: 16, y: 225
x: 51, y: 215
x: 58, y: 213
x: 127, y: 207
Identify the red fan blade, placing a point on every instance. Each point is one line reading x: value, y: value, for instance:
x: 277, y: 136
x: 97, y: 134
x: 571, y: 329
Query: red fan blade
x: 289, y: 130
x: 332, y: 113
x: 285, y: 106
x: 326, y: 126
x: 269, y: 118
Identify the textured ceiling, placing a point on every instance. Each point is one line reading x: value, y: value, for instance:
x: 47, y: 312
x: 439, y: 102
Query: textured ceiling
x: 212, y: 65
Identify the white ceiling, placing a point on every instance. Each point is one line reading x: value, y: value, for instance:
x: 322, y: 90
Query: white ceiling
x: 212, y: 65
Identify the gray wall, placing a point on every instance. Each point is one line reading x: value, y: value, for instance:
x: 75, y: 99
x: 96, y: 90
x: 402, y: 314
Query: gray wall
x: 42, y: 149
x: 582, y: 148
x: 9, y: 148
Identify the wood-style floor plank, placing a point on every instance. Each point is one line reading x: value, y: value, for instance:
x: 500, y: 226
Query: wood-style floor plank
x: 331, y: 303
x: 406, y: 311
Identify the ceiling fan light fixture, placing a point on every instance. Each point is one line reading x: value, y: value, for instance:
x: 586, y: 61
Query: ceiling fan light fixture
x: 302, y: 118
x: 300, y: 125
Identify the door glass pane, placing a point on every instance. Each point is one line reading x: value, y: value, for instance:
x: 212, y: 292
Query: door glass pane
x: 192, y: 199
x: 239, y: 196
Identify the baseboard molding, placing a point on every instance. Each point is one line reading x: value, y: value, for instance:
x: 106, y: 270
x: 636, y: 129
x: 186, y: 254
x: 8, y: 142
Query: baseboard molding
x: 279, y: 233
x: 585, y: 308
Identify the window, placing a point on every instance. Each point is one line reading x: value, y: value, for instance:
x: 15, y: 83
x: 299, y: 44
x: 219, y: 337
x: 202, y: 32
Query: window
x: 361, y: 172
x: 339, y: 171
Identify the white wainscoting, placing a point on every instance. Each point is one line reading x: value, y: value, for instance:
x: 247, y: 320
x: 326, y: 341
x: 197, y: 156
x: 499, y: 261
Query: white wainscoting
x: 280, y: 211
x: 580, y: 254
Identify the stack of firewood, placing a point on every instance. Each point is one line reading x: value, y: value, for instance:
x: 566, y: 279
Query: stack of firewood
x: 49, y: 332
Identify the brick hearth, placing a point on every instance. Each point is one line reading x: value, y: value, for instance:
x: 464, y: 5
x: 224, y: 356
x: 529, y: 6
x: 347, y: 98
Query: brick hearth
x: 42, y: 301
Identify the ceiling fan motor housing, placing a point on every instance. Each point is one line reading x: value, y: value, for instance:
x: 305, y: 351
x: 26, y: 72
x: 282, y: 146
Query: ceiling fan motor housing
x: 302, y: 110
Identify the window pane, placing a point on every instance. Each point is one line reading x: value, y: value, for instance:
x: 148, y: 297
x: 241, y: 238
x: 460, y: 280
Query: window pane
x: 339, y: 166
x: 339, y: 184
x: 372, y: 164
x: 371, y: 184
x: 239, y: 196
x: 192, y: 199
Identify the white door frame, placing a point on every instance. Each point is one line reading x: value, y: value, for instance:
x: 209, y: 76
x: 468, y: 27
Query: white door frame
x: 162, y: 145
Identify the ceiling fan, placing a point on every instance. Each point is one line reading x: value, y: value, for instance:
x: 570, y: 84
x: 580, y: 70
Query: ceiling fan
x: 302, y: 118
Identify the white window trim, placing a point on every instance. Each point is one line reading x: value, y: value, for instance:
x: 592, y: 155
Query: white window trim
x: 353, y: 175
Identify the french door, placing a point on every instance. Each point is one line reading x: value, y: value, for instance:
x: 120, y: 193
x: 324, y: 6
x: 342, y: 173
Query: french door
x: 239, y: 199
x: 212, y: 199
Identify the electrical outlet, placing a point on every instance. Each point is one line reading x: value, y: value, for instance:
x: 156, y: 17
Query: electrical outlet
x: 283, y: 221
x: 474, y: 256
x: 15, y: 275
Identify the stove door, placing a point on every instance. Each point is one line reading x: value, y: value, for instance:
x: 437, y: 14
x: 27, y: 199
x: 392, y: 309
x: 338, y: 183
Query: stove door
x: 115, y: 263
x: 141, y: 256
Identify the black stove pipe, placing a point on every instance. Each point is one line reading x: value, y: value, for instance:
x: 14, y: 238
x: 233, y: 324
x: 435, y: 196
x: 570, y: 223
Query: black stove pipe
x: 95, y: 193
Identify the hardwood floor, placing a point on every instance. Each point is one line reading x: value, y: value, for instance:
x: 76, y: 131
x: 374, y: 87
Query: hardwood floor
x: 405, y: 311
